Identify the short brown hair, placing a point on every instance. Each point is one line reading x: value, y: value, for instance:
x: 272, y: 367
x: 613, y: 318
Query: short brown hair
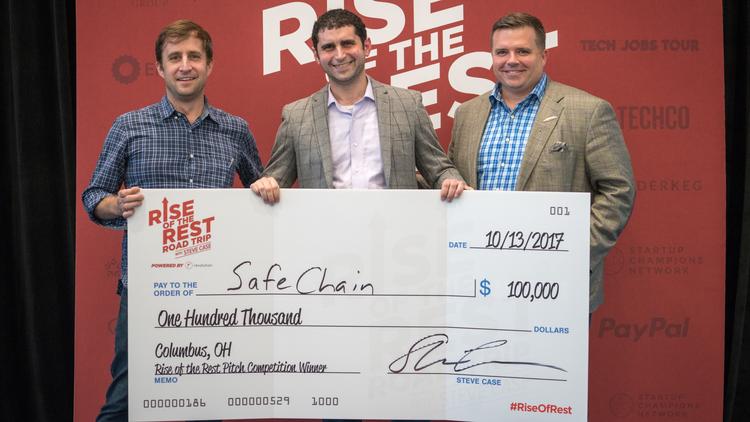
x: 180, y: 30
x: 335, y: 19
x: 518, y: 20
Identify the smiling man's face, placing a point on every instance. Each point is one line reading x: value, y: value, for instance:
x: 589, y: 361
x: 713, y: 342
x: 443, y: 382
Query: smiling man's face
x: 341, y: 54
x: 185, y: 69
x: 517, y: 60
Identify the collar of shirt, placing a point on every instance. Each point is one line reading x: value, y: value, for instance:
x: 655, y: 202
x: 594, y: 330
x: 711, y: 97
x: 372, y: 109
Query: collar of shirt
x: 166, y: 110
x: 355, y: 143
x: 536, y: 94
x: 347, y: 109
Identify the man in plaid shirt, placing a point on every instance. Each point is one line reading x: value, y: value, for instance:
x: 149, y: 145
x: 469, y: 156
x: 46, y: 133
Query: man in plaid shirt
x: 181, y: 142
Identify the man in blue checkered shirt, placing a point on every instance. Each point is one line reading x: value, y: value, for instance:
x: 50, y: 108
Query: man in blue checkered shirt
x: 181, y: 142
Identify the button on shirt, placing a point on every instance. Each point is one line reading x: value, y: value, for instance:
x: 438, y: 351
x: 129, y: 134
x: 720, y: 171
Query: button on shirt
x: 355, y: 143
x: 157, y: 148
x: 504, y: 139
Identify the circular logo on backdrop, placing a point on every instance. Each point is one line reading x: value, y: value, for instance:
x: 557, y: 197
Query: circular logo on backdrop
x: 621, y: 405
x: 125, y: 69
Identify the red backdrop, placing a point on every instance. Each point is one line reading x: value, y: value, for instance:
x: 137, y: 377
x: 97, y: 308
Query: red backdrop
x: 657, y: 342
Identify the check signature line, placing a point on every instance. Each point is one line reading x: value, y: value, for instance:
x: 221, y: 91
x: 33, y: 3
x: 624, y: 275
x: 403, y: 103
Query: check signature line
x: 513, y: 330
x: 478, y: 375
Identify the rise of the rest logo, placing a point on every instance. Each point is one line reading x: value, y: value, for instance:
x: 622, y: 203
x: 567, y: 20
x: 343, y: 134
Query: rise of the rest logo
x: 183, y: 233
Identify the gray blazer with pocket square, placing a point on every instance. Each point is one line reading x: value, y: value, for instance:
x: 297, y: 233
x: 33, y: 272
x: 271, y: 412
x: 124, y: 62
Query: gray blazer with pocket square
x: 575, y: 145
x: 302, y: 150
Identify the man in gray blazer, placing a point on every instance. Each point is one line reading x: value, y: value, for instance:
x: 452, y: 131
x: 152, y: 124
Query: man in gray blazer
x: 355, y: 132
x: 534, y: 134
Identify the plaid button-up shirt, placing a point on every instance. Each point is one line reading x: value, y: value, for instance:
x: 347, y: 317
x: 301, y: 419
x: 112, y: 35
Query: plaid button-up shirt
x: 157, y: 148
x: 504, y: 139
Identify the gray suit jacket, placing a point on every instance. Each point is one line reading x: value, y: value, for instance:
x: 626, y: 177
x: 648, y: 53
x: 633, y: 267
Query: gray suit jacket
x: 407, y: 141
x: 575, y: 145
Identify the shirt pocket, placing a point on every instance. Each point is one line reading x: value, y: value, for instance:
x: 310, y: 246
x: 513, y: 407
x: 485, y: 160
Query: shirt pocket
x: 218, y: 170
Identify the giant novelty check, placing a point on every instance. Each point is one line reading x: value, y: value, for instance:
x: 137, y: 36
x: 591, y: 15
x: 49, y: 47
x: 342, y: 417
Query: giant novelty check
x: 359, y: 304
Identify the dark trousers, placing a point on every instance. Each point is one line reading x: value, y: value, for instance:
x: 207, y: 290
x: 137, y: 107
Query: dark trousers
x: 115, y: 407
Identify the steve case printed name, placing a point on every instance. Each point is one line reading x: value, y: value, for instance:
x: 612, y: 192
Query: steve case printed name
x: 487, y: 382
x: 312, y: 280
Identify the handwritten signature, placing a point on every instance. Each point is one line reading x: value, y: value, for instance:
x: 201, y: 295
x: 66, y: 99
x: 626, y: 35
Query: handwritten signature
x: 426, y: 352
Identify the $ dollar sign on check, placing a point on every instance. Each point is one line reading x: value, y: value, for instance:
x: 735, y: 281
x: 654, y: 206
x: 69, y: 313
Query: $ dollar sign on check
x: 484, y: 287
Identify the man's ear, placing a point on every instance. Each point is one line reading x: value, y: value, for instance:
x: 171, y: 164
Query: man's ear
x: 367, y: 46
x: 315, y: 53
x: 160, y: 69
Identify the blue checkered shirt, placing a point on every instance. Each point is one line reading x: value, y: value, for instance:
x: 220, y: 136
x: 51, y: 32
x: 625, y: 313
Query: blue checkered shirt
x: 157, y: 148
x: 504, y: 139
